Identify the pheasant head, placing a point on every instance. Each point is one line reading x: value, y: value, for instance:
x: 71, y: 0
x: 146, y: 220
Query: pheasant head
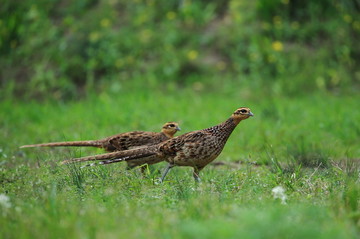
x: 170, y: 128
x: 241, y: 114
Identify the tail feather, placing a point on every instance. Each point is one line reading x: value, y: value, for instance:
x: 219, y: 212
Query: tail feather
x: 110, y: 161
x: 117, y: 156
x: 90, y: 143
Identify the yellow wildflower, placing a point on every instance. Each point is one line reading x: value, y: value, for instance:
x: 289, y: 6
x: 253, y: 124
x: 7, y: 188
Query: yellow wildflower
x: 277, y: 46
x: 192, y: 55
x: 105, y: 22
x: 170, y: 15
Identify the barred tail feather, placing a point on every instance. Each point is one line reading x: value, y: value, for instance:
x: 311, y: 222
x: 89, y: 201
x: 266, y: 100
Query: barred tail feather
x: 90, y: 143
x: 117, y: 156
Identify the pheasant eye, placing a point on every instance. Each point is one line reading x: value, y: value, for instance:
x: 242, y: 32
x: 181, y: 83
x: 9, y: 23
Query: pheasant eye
x: 172, y: 125
x: 243, y: 111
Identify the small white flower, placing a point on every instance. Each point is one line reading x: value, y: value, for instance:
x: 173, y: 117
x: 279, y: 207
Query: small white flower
x: 279, y: 192
x: 5, y: 201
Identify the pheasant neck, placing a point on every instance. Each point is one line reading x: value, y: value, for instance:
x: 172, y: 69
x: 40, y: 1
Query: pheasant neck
x: 224, y: 130
x: 166, y: 135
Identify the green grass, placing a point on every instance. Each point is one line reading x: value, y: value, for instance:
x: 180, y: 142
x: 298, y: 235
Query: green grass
x: 308, y: 145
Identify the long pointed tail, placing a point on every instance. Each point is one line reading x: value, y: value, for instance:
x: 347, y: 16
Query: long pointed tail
x: 118, y: 155
x: 89, y: 143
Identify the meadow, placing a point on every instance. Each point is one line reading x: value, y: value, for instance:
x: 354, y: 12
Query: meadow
x: 307, y: 145
x: 87, y: 69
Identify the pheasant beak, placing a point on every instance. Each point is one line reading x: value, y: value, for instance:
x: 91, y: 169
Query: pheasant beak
x: 250, y: 113
x: 178, y: 128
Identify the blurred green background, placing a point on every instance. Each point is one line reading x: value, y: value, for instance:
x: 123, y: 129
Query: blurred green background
x: 67, y: 50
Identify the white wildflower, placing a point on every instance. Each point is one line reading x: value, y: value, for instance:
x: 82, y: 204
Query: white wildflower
x: 5, y: 201
x: 279, y: 192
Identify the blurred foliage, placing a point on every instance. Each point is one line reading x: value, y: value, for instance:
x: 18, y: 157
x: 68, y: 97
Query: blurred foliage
x: 66, y: 48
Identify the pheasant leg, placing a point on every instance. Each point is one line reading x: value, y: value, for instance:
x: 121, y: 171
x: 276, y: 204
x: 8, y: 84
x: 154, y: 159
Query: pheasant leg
x: 167, y: 169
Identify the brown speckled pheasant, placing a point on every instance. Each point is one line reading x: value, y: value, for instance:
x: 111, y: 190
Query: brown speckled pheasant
x: 123, y: 141
x: 195, y: 149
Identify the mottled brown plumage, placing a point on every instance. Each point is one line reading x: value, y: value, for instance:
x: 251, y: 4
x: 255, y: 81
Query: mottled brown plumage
x: 195, y: 149
x: 123, y: 141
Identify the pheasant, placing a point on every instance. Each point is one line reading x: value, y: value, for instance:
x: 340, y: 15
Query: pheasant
x: 123, y: 141
x: 195, y: 149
